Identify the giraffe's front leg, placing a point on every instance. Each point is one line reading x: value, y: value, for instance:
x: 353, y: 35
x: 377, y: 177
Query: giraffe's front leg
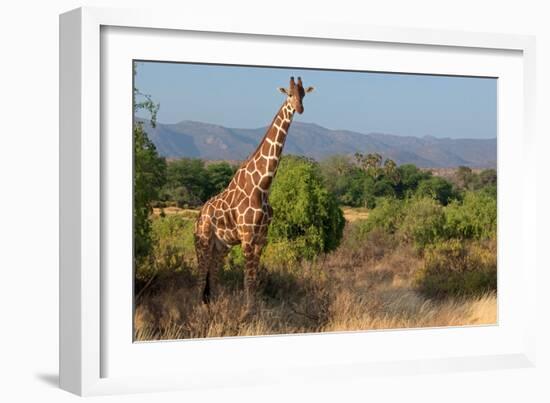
x: 252, y: 255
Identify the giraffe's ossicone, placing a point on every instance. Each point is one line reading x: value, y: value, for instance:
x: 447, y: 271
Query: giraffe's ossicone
x: 241, y: 213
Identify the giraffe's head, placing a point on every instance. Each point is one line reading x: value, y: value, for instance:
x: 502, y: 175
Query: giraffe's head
x: 296, y: 93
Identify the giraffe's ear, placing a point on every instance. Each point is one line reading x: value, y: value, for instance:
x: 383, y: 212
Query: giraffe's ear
x: 309, y: 89
x: 283, y: 90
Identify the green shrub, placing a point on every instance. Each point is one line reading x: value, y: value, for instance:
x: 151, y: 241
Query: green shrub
x: 437, y: 188
x: 473, y: 218
x: 422, y: 222
x: 387, y: 216
x: 469, y: 180
x: 173, y: 247
x: 341, y: 179
x: 283, y: 253
x: 375, y: 243
x: 181, y: 196
x: 187, y: 182
x: 383, y: 187
x: 458, y: 268
x: 410, y: 176
x: 190, y: 182
x: 305, y: 212
x: 355, y: 235
x: 489, y: 190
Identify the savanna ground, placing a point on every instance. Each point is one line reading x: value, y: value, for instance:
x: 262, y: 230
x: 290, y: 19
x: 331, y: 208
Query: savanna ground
x: 369, y: 282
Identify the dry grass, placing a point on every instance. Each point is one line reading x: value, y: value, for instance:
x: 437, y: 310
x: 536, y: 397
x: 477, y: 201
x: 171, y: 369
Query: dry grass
x: 346, y: 312
x: 370, y: 287
x: 173, y: 210
x: 352, y: 214
x: 408, y: 310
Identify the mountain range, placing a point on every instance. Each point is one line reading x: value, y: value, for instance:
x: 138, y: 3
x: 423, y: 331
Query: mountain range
x: 215, y: 142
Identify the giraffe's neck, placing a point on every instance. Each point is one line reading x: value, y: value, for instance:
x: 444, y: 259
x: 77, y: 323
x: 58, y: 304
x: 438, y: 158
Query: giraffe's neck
x: 265, y: 159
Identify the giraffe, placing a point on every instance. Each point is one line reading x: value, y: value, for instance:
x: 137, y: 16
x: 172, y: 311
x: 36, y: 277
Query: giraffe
x: 241, y: 213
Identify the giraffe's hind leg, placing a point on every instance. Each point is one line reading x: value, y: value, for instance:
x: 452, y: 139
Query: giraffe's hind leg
x: 203, y: 250
x: 211, y: 253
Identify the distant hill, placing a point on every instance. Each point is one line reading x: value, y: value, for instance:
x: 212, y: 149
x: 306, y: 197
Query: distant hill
x: 213, y: 142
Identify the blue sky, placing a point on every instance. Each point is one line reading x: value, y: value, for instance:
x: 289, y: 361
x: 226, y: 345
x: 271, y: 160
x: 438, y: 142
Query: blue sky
x: 247, y: 97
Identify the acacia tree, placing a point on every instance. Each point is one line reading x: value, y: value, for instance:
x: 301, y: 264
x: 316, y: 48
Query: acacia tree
x: 371, y: 163
x: 465, y: 177
x: 149, y: 175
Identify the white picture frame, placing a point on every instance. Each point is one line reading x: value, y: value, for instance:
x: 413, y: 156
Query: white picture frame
x: 91, y: 361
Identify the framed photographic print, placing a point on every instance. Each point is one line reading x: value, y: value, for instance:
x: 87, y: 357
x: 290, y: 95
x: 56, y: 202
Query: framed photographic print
x: 237, y: 197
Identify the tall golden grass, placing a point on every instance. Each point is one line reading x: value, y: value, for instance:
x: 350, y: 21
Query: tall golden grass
x: 365, y: 288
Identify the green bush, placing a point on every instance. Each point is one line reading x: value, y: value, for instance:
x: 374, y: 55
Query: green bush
x: 422, y: 222
x: 468, y: 180
x: 173, y: 247
x: 410, y: 176
x: 473, y: 218
x: 489, y: 190
x: 387, y: 216
x: 356, y: 193
x: 283, y: 253
x: 337, y: 171
x: 458, y: 268
x: 418, y: 220
x: 374, y: 243
x: 305, y: 212
x: 383, y: 187
x: 187, y: 182
x: 190, y: 182
x: 437, y: 188
x: 181, y: 196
